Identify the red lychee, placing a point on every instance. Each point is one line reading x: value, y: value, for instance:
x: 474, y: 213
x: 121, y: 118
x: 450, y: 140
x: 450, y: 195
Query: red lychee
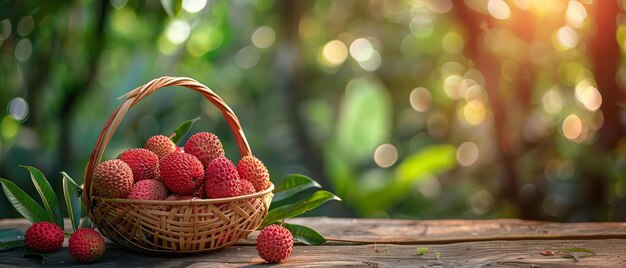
x: 221, y: 179
x: 142, y: 162
x: 245, y: 187
x: 113, y: 179
x: 148, y: 190
x: 86, y: 245
x: 205, y: 146
x: 182, y: 173
x: 160, y: 145
x: 253, y: 170
x: 44, y: 237
x: 274, y: 243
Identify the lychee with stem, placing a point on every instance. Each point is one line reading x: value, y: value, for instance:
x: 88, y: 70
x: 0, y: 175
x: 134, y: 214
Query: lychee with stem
x: 182, y: 173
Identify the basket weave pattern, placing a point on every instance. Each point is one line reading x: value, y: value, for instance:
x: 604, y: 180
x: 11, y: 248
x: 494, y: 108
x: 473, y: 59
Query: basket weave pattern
x: 182, y: 226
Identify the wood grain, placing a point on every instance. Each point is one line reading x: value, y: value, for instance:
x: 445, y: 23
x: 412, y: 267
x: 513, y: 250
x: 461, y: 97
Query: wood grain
x: 396, y: 244
x: 611, y: 253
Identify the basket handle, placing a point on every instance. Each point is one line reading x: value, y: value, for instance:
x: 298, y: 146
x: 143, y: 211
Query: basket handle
x: 136, y: 95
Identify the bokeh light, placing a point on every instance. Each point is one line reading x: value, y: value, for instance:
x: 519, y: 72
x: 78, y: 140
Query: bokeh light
x: 576, y: 14
x: 334, y: 53
x: 18, y: 109
x: 566, y: 37
x: 499, y: 9
x: 420, y: 99
x: 247, y: 57
x: 263, y: 37
x: 588, y: 95
x: 178, y: 31
x: 23, y: 50
x: 193, y: 6
x: 572, y: 127
x: 467, y: 154
x: 474, y: 112
x: 385, y: 155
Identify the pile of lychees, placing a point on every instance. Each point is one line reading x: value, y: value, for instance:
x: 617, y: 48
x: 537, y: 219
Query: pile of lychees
x: 161, y: 171
x: 86, y: 245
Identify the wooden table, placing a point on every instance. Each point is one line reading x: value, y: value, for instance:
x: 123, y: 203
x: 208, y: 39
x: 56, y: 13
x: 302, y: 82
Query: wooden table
x: 384, y: 242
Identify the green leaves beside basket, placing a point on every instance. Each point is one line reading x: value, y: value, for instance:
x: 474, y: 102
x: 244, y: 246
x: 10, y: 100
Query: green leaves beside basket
x: 34, y: 212
x: 286, y: 204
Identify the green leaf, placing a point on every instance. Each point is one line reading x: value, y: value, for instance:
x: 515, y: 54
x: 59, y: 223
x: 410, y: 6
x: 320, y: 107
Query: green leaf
x: 293, y: 184
x: 11, y: 238
x: 437, y: 254
x: 580, y: 250
x: 305, y: 234
x: 86, y: 222
x: 45, y: 257
x: 421, y: 251
x: 288, y: 211
x: 23, y: 203
x: 12, y: 244
x: 182, y: 129
x: 72, y: 192
x: 49, y: 198
x: 429, y: 160
x: 575, y: 253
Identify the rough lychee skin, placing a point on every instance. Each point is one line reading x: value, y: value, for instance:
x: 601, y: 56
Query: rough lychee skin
x: 142, y: 162
x: 44, y: 237
x: 160, y: 145
x: 253, y: 170
x: 245, y: 187
x: 148, y: 190
x: 274, y: 243
x: 86, y: 245
x: 200, y: 192
x: 205, y: 146
x: 221, y: 179
x: 113, y: 179
x: 182, y: 173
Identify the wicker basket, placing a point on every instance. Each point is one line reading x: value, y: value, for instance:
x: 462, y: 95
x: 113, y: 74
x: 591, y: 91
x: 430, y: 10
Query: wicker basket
x: 175, y: 227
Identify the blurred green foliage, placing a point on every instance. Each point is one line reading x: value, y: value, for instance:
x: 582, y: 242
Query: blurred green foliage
x: 412, y: 109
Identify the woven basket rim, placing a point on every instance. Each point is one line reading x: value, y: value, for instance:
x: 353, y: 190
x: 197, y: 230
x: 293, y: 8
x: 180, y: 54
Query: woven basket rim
x: 198, y: 201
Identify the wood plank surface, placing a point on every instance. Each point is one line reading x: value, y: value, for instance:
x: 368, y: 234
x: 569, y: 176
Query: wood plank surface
x: 396, y: 244
x: 611, y: 253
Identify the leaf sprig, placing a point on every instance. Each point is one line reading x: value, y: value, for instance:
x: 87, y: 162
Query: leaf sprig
x: 291, y: 186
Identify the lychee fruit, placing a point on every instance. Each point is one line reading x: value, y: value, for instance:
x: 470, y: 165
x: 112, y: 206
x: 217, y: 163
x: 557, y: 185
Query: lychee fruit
x: 86, y: 245
x: 245, y: 187
x: 221, y: 179
x: 142, y: 162
x: 274, y: 243
x: 113, y: 179
x: 205, y: 146
x: 253, y: 170
x: 182, y: 173
x: 200, y: 192
x: 160, y: 145
x: 44, y: 237
x: 148, y: 190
